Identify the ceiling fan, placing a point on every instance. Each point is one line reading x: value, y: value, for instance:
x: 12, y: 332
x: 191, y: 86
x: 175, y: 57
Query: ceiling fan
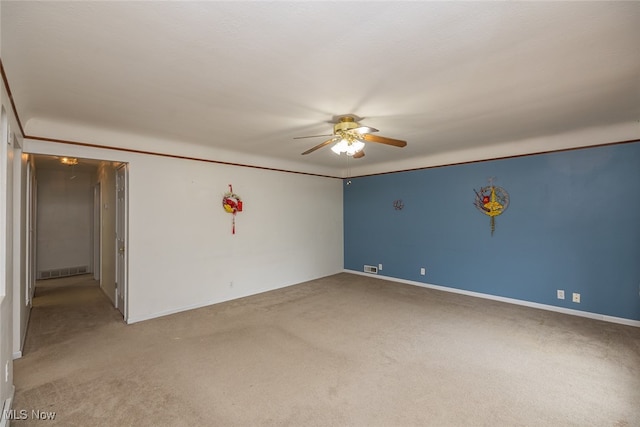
x: 350, y: 137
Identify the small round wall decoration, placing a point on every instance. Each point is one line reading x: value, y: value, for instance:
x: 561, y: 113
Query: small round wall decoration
x: 492, y: 201
x: 232, y: 203
x: 398, y: 204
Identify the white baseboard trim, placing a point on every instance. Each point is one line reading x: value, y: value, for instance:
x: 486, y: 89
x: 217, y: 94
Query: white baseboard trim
x: 6, y: 409
x: 587, y: 314
x: 18, y: 354
x: 136, y: 319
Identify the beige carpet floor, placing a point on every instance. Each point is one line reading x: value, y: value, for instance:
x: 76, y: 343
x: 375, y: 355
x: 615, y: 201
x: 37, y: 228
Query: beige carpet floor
x: 345, y: 350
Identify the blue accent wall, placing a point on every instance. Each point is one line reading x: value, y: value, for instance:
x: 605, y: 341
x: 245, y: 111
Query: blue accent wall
x: 573, y: 223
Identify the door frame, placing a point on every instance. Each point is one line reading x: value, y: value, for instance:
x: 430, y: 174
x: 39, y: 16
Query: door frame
x: 46, y: 148
x: 97, y: 232
x: 122, y: 240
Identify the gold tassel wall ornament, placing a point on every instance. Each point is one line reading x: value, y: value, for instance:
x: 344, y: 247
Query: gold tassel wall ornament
x: 492, y: 201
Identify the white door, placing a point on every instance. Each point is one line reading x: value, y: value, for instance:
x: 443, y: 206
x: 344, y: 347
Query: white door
x: 121, y: 240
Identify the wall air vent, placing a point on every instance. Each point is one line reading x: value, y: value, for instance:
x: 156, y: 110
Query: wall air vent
x: 62, y: 272
x: 371, y: 269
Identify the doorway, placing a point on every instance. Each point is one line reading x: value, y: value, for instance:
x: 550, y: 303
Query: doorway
x: 81, y: 222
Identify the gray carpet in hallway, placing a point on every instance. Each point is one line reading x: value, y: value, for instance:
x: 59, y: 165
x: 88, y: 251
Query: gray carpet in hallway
x: 345, y: 350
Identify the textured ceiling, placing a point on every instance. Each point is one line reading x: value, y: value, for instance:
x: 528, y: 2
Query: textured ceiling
x: 247, y: 77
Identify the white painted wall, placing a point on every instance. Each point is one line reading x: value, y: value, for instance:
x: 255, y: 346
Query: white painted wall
x: 110, y: 137
x: 181, y: 251
x: 65, y: 218
x: 5, y: 293
x: 8, y: 277
x: 6, y: 384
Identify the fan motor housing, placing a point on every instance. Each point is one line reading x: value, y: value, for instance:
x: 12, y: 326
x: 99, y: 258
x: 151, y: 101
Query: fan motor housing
x: 346, y: 123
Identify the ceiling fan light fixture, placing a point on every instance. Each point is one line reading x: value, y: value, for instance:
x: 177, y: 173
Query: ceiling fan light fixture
x: 69, y: 161
x: 354, y: 147
x: 348, y: 147
x: 339, y: 147
x: 351, y: 138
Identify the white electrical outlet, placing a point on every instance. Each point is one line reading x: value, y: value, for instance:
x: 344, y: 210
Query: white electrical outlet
x: 576, y: 297
x: 560, y: 294
x: 423, y: 271
x: 379, y: 266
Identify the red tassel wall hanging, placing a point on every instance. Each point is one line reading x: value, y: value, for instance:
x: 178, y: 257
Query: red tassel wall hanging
x: 232, y: 204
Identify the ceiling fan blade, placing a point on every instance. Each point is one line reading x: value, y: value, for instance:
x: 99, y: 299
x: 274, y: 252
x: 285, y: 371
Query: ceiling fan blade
x: 311, y: 136
x: 364, y: 129
x: 317, y: 147
x: 359, y: 154
x: 383, y: 140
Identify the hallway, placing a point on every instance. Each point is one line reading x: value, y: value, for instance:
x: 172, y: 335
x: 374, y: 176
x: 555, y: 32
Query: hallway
x: 70, y: 319
x: 66, y: 309
x: 83, y: 366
